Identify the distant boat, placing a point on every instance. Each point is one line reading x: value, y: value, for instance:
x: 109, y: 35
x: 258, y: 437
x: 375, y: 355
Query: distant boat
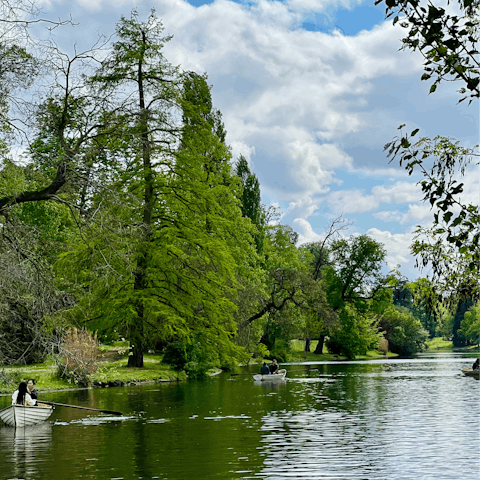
x: 471, y: 373
x: 274, y: 377
x: 25, y: 415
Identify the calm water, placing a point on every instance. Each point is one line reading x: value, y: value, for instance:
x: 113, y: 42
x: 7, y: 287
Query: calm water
x: 397, y: 419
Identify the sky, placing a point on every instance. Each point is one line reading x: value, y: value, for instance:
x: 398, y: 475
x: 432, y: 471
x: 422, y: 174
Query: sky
x: 310, y: 92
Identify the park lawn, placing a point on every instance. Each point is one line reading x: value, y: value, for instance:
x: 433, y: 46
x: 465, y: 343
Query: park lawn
x: 112, y: 367
x: 298, y: 355
x: 438, y: 343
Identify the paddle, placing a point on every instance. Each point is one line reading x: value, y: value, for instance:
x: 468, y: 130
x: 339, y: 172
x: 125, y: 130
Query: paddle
x: 288, y: 371
x: 111, y: 412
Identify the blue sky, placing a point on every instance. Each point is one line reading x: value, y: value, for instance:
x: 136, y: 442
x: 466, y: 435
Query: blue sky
x: 310, y: 91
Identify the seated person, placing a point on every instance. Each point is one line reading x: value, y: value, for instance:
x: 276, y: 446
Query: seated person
x: 476, y: 364
x: 264, y: 370
x: 274, y: 366
x: 21, y: 396
x: 31, y: 389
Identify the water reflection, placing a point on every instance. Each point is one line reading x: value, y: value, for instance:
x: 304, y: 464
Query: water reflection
x: 26, y: 446
x: 400, y: 420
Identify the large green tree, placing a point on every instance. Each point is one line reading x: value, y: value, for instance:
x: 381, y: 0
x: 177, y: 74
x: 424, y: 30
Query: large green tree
x: 357, y: 291
x: 170, y: 237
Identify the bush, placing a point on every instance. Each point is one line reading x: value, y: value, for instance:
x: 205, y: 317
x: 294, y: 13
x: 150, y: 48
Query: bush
x: 404, y: 332
x: 280, y: 350
x: 357, y: 334
x: 78, y: 356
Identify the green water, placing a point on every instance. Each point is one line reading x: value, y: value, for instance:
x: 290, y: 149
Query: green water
x: 396, y: 419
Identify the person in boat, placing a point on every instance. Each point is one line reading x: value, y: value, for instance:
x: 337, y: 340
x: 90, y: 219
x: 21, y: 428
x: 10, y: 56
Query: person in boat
x: 274, y: 366
x: 265, y: 370
x: 21, y: 396
x: 31, y: 388
x: 476, y: 364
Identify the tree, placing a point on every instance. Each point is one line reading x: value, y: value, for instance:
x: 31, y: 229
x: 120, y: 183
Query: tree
x: 405, y: 295
x: 449, y: 44
x: 404, y: 332
x: 251, y: 201
x: 470, y: 325
x: 357, y: 291
x: 164, y: 260
x: 316, y: 327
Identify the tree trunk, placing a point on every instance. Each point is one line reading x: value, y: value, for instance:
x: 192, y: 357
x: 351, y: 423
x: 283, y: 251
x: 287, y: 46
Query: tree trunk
x: 307, y: 345
x: 135, y: 358
x: 319, y: 349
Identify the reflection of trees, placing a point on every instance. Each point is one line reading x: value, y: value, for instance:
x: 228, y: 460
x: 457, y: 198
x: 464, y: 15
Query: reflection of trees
x: 27, y: 447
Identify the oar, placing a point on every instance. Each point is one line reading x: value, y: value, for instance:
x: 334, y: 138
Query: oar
x: 288, y: 371
x: 111, y: 412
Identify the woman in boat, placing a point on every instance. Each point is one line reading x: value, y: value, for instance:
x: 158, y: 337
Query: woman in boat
x: 264, y: 370
x: 31, y: 388
x: 21, y: 396
x: 476, y: 364
x: 274, y: 366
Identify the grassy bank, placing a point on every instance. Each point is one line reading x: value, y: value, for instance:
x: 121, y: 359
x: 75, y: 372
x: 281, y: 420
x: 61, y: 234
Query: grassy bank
x: 441, y: 345
x: 112, y: 369
x: 298, y: 355
x: 438, y: 343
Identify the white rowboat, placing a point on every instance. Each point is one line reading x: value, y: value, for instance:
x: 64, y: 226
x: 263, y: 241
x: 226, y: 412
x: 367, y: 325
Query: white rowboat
x: 25, y: 415
x: 275, y: 377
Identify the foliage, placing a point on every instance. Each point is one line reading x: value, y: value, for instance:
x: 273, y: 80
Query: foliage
x: 404, y: 333
x: 449, y: 44
x: 470, y: 325
x: 357, y: 333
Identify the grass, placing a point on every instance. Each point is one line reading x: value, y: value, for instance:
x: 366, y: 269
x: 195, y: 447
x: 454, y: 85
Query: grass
x: 298, y: 355
x: 438, y: 343
x: 111, y: 369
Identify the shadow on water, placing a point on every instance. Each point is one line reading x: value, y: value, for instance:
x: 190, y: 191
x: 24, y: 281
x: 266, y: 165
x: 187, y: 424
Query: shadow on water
x: 398, y: 419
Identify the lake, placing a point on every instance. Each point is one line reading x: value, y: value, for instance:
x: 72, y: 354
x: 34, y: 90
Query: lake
x: 365, y: 420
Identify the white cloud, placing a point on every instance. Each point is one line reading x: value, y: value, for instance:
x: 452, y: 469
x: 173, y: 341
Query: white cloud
x: 400, y: 192
x: 351, y: 201
x: 306, y: 234
x: 397, y: 246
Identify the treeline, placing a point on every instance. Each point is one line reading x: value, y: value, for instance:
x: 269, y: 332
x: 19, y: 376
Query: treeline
x: 126, y: 215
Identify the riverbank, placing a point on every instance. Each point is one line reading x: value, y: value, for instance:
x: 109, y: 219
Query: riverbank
x: 438, y: 344
x: 112, y: 371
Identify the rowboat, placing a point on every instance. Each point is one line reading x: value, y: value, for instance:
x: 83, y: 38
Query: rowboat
x: 275, y: 377
x: 468, y: 372
x: 25, y: 415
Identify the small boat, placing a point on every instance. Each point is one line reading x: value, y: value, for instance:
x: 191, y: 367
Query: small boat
x: 25, y: 415
x: 274, y: 377
x: 468, y: 372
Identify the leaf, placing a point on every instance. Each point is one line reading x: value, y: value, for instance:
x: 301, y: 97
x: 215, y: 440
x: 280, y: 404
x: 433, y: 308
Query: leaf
x: 433, y: 88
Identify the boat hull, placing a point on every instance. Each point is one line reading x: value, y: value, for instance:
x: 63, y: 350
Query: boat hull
x: 468, y: 372
x: 276, y: 377
x: 23, y: 416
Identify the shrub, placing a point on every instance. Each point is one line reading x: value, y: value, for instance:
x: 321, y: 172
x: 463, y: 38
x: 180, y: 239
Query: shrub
x: 78, y: 356
x: 403, y: 331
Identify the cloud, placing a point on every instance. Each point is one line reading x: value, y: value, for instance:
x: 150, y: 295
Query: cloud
x: 397, y: 246
x: 306, y: 234
x: 351, y: 201
x: 298, y: 90
x: 400, y: 192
